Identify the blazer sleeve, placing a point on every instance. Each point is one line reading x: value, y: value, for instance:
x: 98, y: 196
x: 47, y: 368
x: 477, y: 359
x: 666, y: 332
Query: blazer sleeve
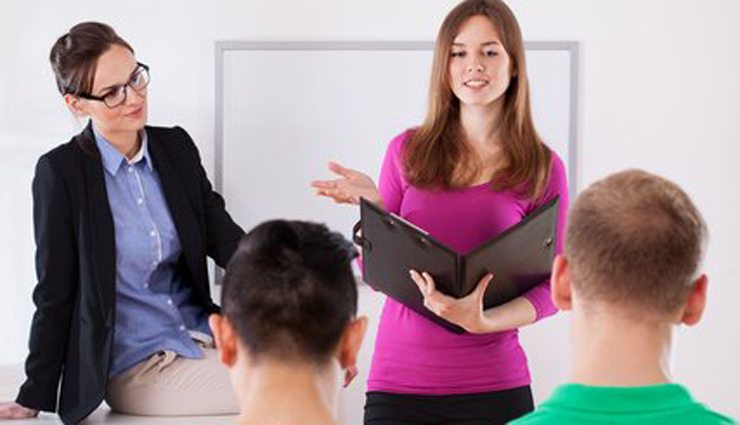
x: 221, y: 232
x: 55, y: 291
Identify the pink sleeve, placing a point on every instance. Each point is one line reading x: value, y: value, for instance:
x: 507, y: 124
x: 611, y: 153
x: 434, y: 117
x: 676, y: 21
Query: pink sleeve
x: 391, y: 183
x: 539, y: 296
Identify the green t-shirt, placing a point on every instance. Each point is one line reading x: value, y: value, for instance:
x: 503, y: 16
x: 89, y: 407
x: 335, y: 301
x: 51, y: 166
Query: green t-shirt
x: 656, y: 404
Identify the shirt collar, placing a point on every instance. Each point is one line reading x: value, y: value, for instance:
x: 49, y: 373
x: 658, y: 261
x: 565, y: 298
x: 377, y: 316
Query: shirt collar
x: 113, y: 159
x: 620, y: 399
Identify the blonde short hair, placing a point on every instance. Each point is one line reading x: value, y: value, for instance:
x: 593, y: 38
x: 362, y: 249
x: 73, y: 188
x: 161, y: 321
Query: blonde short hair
x: 635, y: 239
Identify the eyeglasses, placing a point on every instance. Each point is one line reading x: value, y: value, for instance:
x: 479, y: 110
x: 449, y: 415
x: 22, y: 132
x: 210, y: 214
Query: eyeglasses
x: 116, y: 96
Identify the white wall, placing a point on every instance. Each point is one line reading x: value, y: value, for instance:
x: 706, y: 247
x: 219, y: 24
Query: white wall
x: 659, y: 90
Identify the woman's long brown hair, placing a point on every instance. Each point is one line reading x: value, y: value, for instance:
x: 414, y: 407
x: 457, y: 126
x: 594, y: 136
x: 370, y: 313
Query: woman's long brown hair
x: 435, y: 149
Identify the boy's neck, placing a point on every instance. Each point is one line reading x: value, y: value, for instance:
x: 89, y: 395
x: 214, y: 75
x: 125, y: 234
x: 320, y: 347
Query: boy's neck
x: 274, y: 393
x: 610, y: 348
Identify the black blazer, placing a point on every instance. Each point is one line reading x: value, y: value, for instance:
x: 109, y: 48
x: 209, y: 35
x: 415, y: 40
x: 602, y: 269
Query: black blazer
x: 72, y: 328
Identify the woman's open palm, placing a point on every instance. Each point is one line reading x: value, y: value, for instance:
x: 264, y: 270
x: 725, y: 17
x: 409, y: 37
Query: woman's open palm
x: 349, y: 187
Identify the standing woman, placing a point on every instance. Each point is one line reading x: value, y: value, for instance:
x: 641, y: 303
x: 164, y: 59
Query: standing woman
x: 124, y: 217
x: 475, y: 167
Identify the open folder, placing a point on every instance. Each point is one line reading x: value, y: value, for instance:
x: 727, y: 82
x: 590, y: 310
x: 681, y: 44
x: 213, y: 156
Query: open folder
x: 519, y: 258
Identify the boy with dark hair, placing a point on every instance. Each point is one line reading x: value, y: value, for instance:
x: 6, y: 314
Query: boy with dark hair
x: 288, y: 323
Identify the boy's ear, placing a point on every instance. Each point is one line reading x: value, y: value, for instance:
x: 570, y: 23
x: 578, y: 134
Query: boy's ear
x: 225, y: 338
x: 351, y: 341
x: 696, y: 301
x: 560, y: 284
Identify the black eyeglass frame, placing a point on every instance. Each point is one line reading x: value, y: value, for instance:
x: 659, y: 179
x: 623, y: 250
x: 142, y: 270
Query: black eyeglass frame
x: 139, y: 67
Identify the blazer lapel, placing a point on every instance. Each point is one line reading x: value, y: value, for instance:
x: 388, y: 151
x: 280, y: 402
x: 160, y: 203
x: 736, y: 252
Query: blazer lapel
x: 101, y: 237
x: 181, y: 211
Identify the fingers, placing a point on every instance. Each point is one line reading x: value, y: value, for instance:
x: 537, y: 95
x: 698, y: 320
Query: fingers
x: 349, y: 189
x: 437, y: 302
x: 418, y: 280
x: 425, y: 282
x: 324, y: 184
x: 422, y: 282
x: 18, y: 414
x: 15, y: 411
x: 339, y: 196
x: 7, y: 410
x: 480, y: 290
x: 336, y: 189
x: 338, y: 169
x: 430, y: 282
x: 23, y: 413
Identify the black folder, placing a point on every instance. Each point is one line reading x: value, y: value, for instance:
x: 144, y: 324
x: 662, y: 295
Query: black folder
x: 519, y: 258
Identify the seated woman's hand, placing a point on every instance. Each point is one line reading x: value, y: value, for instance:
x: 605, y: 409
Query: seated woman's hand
x: 13, y: 410
x: 349, y: 188
x: 466, y: 312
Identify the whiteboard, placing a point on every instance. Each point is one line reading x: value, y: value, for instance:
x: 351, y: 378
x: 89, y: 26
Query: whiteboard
x: 284, y: 109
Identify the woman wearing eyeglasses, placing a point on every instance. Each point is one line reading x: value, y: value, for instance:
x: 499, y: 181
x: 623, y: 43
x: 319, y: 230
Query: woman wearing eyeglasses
x: 124, y: 217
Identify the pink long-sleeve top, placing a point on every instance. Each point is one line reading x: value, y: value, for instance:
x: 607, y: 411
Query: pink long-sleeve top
x: 413, y: 355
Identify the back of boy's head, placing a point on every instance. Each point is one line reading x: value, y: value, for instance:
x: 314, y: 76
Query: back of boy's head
x: 635, y: 240
x: 289, y: 291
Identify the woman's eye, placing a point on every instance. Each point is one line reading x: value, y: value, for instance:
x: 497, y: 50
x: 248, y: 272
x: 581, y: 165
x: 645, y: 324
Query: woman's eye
x: 458, y: 54
x: 116, y: 92
x: 490, y: 53
x: 110, y: 93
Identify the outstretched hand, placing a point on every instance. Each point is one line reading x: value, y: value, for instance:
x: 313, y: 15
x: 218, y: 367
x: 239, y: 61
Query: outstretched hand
x: 349, y: 187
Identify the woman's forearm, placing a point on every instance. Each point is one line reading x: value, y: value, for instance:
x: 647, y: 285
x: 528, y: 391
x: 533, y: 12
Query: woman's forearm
x: 511, y: 315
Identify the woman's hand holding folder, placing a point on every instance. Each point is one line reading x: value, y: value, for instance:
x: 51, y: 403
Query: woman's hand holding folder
x: 468, y: 313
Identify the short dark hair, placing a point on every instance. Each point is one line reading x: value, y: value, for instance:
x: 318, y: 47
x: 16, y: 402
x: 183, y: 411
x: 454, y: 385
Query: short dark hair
x: 635, y: 239
x: 74, y: 56
x: 289, y: 291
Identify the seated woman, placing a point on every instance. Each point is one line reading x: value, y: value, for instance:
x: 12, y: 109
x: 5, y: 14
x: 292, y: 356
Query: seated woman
x: 288, y: 325
x: 124, y: 217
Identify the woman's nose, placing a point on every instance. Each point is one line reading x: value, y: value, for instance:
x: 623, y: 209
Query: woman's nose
x: 475, y: 64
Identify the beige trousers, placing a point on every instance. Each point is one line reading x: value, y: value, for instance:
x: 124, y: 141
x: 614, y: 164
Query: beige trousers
x: 166, y: 384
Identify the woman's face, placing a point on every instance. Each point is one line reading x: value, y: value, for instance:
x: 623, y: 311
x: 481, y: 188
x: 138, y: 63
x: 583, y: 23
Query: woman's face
x: 479, y: 65
x: 115, y: 68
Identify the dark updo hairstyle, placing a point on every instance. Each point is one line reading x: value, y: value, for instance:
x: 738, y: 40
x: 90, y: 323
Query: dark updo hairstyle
x: 289, y: 291
x: 74, y: 56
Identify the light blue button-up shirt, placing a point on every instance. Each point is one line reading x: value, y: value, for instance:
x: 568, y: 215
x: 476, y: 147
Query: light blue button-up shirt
x: 154, y: 309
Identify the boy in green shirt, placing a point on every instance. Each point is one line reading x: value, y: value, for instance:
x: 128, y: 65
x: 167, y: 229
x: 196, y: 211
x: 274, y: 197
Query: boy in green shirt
x: 629, y: 274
